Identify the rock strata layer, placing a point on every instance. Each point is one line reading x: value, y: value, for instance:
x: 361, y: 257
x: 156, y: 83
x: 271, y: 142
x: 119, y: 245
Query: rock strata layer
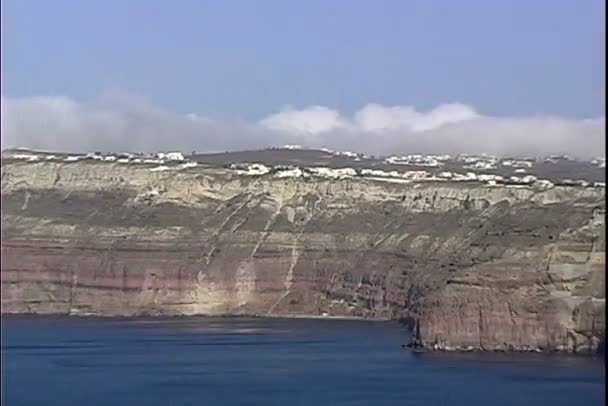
x: 473, y: 266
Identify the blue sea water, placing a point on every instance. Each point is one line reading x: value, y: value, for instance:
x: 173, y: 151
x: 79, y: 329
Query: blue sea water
x: 240, y: 361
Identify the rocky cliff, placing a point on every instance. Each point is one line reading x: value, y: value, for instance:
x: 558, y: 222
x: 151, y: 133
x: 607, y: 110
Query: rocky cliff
x: 474, y: 266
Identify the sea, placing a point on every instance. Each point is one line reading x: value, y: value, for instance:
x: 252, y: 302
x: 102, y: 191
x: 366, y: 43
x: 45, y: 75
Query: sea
x: 254, y: 361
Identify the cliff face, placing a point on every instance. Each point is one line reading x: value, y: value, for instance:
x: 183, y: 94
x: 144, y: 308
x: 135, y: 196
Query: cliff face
x: 475, y: 266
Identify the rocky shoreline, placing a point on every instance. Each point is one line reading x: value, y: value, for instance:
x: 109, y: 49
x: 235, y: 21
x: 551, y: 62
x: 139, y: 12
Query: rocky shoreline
x: 591, y: 349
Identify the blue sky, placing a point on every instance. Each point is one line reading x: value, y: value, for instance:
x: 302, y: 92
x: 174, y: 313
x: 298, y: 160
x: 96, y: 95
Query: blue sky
x: 247, y: 59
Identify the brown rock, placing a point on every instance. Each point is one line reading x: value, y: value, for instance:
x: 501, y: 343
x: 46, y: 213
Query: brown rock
x: 521, y: 270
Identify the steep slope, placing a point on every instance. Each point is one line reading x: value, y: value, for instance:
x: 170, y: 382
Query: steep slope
x: 474, y: 266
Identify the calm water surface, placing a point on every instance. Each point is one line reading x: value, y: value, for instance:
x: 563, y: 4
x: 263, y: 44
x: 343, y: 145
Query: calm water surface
x: 202, y: 361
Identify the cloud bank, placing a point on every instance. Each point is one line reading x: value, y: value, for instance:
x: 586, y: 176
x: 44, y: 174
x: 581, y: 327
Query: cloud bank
x: 127, y: 123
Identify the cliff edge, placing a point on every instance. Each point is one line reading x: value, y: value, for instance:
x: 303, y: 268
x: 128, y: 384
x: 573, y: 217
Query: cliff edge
x: 473, y: 266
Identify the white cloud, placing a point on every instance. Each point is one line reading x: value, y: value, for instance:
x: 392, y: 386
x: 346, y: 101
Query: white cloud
x: 120, y: 123
x: 452, y: 127
x: 374, y: 117
x: 127, y: 123
x: 309, y: 121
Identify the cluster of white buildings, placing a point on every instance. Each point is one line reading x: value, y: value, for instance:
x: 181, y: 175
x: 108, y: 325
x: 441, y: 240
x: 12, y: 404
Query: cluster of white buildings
x: 185, y: 165
x: 32, y: 157
x: 257, y: 169
x: 583, y: 183
x: 169, y: 161
x: 482, y: 163
x: 471, y: 177
x: 522, y: 164
x: 432, y: 161
x: 553, y: 159
x: 160, y: 158
x: 471, y: 159
x: 163, y: 159
x: 250, y: 169
x: 599, y: 162
x: 126, y: 157
x: 488, y: 162
x: 330, y: 173
x: 349, y: 154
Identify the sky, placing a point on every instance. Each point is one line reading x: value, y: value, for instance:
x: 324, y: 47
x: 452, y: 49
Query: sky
x: 498, y: 76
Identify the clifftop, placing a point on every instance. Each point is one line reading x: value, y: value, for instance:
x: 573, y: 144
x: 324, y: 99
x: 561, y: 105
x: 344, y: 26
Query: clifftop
x: 326, y: 164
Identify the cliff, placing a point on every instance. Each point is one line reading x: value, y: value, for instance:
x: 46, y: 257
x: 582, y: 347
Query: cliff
x: 476, y: 266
